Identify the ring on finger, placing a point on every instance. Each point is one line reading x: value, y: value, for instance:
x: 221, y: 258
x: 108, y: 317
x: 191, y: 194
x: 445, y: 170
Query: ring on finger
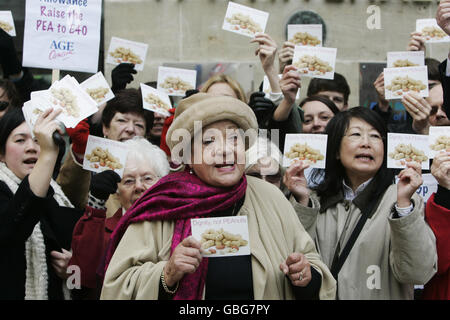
x: 300, y: 277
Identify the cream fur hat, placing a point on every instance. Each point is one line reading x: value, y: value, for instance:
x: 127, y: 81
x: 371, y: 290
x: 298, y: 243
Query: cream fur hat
x: 209, y: 109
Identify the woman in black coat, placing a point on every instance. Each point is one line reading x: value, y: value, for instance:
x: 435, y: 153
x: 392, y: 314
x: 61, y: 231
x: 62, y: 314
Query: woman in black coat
x: 36, y: 218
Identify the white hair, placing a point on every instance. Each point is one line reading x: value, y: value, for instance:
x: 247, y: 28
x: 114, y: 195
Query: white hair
x: 140, y: 148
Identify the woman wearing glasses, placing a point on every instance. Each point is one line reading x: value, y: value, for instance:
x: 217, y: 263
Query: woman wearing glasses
x: 370, y: 232
x: 145, y: 165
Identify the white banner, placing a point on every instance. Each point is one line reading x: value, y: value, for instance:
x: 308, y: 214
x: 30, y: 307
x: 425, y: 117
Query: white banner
x: 62, y: 34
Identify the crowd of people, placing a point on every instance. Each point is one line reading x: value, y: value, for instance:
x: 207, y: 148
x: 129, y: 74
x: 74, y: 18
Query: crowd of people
x: 349, y: 231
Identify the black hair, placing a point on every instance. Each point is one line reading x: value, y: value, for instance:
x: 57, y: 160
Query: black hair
x: 10, y: 93
x: 324, y: 99
x: 10, y: 120
x: 338, y: 84
x: 433, y: 69
x: 127, y: 101
x: 334, y: 170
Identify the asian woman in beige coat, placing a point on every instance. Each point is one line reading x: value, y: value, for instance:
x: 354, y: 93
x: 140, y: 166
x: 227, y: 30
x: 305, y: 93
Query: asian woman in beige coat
x: 357, y: 199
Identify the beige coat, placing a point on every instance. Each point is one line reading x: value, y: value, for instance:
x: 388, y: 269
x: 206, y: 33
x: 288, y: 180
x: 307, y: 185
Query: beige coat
x: 389, y: 256
x: 275, y: 232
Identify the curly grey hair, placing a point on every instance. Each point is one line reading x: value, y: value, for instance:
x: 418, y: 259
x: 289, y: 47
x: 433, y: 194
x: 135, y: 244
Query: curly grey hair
x: 142, y: 149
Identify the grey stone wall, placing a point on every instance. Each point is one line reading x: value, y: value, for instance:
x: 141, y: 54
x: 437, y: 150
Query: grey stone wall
x: 191, y: 31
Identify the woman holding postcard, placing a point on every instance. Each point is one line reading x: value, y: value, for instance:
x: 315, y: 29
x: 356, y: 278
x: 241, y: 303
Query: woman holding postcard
x: 145, y: 165
x: 159, y: 258
x: 36, y: 218
x: 370, y: 232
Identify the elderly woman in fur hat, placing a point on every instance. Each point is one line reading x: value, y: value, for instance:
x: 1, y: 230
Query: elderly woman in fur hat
x: 153, y: 255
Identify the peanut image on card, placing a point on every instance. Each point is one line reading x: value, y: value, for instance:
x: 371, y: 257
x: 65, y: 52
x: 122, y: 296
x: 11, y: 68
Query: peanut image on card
x: 404, y: 63
x: 305, y: 39
x: 407, y: 153
x: 103, y: 158
x: 98, y: 94
x: 155, y: 100
x: 442, y: 144
x: 244, y: 22
x: 125, y: 55
x: 220, y: 241
x: 5, y: 26
x: 304, y: 152
x: 432, y: 32
x: 67, y: 100
x: 400, y: 85
x: 313, y: 64
x: 173, y: 84
x: 37, y: 111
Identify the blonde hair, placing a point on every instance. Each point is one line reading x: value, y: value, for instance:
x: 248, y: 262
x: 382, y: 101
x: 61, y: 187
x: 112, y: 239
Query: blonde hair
x: 223, y: 78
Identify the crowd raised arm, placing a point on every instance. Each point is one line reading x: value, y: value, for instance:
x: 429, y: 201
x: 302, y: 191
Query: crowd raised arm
x: 204, y: 206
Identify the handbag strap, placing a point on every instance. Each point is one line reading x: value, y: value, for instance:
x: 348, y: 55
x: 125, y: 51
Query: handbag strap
x: 339, y: 259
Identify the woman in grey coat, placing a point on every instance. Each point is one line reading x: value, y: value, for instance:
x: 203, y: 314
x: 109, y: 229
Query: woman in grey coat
x: 370, y: 232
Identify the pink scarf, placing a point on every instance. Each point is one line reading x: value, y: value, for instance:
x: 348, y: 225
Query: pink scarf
x: 179, y: 196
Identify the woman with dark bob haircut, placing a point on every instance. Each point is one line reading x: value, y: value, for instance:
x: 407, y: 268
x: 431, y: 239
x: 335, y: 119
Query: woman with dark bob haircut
x: 370, y: 232
x: 36, y: 218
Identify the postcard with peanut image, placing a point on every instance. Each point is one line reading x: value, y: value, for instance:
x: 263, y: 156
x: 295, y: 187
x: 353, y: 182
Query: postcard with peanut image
x: 305, y: 34
x: 402, y: 59
x: 407, y: 148
x: 439, y: 140
x: 315, y: 62
x: 126, y: 51
x: 310, y: 148
x: 431, y: 31
x: 244, y: 20
x: 399, y: 81
x: 175, y: 81
x: 155, y: 100
x: 31, y: 114
x: 98, y: 88
x: 222, y: 237
x: 76, y: 104
x: 105, y: 154
x: 7, y: 23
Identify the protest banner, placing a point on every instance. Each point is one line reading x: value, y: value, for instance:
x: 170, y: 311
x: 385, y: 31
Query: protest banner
x: 62, y: 34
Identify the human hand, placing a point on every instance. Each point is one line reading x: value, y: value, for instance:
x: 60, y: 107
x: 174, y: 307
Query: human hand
x: 443, y: 16
x: 298, y: 269
x: 104, y: 184
x: 286, y: 55
x: 294, y: 179
x: 379, y: 87
x: 290, y: 82
x: 60, y: 262
x: 45, y: 126
x: 416, y: 42
x: 419, y: 109
x: 440, y: 169
x: 79, y: 136
x: 267, y: 49
x: 260, y: 105
x: 185, y: 259
x: 121, y: 75
x: 409, y: 179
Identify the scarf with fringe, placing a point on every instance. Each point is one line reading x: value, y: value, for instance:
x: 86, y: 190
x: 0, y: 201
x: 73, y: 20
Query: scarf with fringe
x: 36, y: 283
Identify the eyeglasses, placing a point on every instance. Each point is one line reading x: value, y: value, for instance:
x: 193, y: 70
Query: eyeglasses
x: 4, y: 105
x: 147, y: 180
